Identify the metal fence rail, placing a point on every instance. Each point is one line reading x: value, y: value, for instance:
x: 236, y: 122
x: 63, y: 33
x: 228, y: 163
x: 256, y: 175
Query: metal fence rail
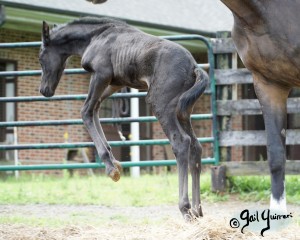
x: 91, y: 144
x: 212, y: 116
x: 67, y: 97
x: 102, y: 120
x: 145, y: 163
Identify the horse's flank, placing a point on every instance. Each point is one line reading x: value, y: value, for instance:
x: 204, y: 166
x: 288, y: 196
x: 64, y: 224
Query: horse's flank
x: 266, y: 35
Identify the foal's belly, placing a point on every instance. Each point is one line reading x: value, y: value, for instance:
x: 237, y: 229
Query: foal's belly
x: 137, y: 83
x: 276, y: 62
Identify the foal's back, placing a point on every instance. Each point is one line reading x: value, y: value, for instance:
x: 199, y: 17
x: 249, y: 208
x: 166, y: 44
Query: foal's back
x: 137, y: 58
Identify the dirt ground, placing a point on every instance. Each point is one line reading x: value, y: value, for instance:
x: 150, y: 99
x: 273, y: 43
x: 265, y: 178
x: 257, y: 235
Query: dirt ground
x: 57, y: 222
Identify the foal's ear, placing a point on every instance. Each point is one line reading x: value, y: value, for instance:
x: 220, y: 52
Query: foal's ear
x: 45, y: 34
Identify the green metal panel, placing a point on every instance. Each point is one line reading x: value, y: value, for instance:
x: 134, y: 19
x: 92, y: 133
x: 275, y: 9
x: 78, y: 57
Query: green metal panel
x: 102, y: 120
x: 91, y: 144
x: 95, y: 165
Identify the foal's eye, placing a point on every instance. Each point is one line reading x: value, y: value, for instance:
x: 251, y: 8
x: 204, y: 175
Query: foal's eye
x: 41, y: 63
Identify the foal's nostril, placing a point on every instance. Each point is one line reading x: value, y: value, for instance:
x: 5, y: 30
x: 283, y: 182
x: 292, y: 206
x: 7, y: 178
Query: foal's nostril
x: 42, y: 90
x: 46, y: 92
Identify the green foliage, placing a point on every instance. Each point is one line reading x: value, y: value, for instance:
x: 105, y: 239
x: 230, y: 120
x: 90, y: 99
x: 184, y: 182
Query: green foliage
x: 255, y: 188
x: 98, y: 190
x: 145, y: 191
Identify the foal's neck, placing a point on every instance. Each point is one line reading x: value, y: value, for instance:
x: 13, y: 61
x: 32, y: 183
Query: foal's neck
x: 74, y: 39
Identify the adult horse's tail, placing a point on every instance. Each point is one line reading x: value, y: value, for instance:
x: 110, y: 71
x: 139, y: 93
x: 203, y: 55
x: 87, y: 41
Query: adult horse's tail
x: 188, y: 98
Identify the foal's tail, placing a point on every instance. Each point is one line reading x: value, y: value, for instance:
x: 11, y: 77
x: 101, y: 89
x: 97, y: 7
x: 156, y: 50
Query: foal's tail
x: 188, y: 98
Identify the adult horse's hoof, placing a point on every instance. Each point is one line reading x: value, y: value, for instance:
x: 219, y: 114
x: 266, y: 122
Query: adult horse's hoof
x: 115, y: 174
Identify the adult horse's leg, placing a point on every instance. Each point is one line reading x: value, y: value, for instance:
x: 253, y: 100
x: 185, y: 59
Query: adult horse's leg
x: 89, y: 112
x: 272, y: 98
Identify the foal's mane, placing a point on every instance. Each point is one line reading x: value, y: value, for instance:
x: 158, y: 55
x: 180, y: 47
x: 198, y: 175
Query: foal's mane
x: 99, y: 25
x: 90, y: 21
x: 96, y: 20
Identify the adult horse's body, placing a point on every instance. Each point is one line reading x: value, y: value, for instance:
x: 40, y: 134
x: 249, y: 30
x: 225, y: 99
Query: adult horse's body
x: 267, y: 37
x: 119, y: 55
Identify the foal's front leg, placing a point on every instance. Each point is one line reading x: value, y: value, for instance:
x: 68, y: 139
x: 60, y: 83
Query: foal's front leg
x: 89, y: 115
x: 106, y: 93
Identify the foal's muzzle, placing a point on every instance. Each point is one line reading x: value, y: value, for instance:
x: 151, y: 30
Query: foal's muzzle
x: 47, y: 92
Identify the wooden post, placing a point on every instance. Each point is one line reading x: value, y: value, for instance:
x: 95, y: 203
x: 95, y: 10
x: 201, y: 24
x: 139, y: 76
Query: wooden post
x: 224, y: 92
x: 218, y: 179
x: 2, y: 15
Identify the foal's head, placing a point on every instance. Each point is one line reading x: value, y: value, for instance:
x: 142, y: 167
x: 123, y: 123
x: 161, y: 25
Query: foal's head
x: 52, y: 61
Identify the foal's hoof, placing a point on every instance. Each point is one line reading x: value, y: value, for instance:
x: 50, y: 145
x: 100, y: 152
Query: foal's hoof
x: 196, y: 213
x: 118, y: 165
x: 192, y: 214
x: 115, y: 174
x: 188, y: 217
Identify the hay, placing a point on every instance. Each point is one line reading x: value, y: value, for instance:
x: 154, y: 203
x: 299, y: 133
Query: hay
x: 147, y: 223
x: 214, y: 228
x: 206, y: 229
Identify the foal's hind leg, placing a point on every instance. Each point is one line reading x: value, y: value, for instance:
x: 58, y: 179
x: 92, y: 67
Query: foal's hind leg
x: 89, y: 112
x: 180, y: 142
x: 194, y: 165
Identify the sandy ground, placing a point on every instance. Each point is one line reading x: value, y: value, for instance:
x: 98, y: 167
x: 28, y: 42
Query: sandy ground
x: 156, y: 222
